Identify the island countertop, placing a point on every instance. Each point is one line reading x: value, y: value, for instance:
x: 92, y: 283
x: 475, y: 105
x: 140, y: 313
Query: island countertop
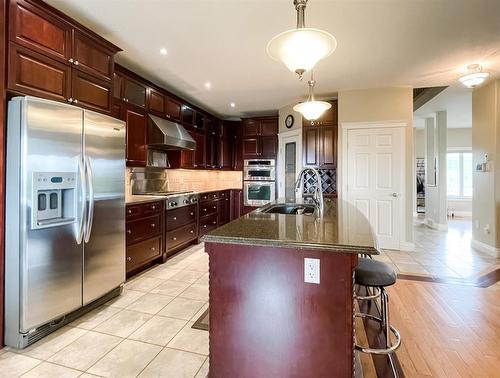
x: 330, y: 231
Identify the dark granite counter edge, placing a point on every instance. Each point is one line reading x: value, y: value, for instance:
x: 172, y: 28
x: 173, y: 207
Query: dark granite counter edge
x: 336, y: 248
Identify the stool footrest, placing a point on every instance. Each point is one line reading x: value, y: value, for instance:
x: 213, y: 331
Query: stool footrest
x: 389, y: 349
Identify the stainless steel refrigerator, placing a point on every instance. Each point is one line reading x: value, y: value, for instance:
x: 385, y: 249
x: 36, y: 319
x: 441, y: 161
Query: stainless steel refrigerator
x: 65, y: 215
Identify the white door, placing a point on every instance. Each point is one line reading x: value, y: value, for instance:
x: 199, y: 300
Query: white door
x: 375, y: 171
x: 289, y: 162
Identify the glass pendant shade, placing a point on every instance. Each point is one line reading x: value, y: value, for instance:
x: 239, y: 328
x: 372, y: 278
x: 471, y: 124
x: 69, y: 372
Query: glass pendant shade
x: 474, y: 79
x: 300, y: 49
x: 312, y: 110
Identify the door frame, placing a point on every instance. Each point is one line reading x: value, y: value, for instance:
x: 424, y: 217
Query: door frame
x: 283, y: 138
x: 404, y: 245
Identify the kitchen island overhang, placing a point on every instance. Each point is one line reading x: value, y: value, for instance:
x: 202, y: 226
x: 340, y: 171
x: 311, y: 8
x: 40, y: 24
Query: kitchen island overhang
x: 264, y: 319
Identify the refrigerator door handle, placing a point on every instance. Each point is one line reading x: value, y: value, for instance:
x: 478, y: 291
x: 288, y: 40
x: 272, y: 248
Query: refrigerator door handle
x: 83, y: 185
x: 90, y: 182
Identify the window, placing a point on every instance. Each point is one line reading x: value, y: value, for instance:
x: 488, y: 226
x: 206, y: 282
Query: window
x: 459, y: 174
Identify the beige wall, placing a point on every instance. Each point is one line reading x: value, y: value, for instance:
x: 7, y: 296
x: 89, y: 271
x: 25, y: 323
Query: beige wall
x: 384, y: 104
x: 283, y: 113
x: 486, y: 140
x: 419, y: 143
x: 458, y: 138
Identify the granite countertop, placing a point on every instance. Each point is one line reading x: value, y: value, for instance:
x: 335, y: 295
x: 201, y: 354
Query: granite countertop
x: 139, y: 198
x: 326, y: 231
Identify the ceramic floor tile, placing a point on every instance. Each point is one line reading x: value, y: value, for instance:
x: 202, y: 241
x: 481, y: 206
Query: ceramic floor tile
x: 14, y: 365
x: 196, y: 291
x: 411, y: 269
x: 85, y: 351
x: 150, y: 303
x: 191, y: 340
x: 200, y: 312
x: 158, y: 330
x: 172, y: 288
x: 123, y: 323
x: 145, y: 284
x: 162, y: 272
x: 203, y: 280
x: 174, y: 364
x: 203, y: 372
x: 187, y: 276
x: 54, y: 342
x: 48, y: 370
x: 95, y: 317
x: 198, y: 266
x: 128, y: 359
x: 125, y: 299
x: 182, y: 308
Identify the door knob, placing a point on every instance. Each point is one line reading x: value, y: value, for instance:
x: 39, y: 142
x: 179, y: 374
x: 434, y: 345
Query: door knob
x: 395, y: 195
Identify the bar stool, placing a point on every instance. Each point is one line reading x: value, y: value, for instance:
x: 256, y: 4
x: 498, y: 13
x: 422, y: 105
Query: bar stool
x: 377, y: 275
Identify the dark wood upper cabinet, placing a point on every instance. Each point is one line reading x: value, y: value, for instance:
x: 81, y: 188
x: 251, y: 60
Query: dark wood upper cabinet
x: 117, y: 85
x: 172, y: 109
x: 199, y: 120
x: 136, y: 136
x: 90, y: 56
x: 90, y: 92
x: 156, y: 102
x: 187, y: 159
x: 251, y: 147
x: 199, y: 153
x: 134, y: 92
x: 328, y: 148
x: 311, y: 146
x: 330, y: 117
x: 251, y: 127
x: 40, y: 30
x: 269, y: 126
x: 35, y: 74
x: 187, y: 115
x: 269, y: 146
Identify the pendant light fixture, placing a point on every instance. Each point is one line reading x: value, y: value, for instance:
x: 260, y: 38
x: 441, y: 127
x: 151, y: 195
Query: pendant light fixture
x: 301, y: 48
x: 474, y: 77
x: 312, y: 109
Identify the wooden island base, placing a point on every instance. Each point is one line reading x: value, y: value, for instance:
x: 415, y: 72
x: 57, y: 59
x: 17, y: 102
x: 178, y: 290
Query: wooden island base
x: 265, y: 321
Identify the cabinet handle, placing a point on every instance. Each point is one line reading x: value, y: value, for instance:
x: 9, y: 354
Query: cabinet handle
x: 191, y: 232
x: 76, y: 63
x: 124, y: 99
x: 129, y: 232
x: 130, y: 211
x: 191, y: 213
x: 205, y: 209
x: 174, y: 218
x: 75, y: 101
x: 153, y: 225
x: 152, y: 249
x: 70, y: 60
x: 214, y: 222
x: 174, y: 238
x: 70, y: 99
x: 153, y: 207
x: 204, y: 226
x: 129, y: 258
x: 214, y: 207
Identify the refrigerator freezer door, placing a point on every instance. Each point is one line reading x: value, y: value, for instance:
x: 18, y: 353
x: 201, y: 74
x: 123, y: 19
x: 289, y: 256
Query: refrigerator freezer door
x: 104, y: 250
x: 50, y: 257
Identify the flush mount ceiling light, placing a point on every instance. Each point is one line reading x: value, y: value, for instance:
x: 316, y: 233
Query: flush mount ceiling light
x: 232, y: 104
x: 474, y: 77
x: 208, y: 85
x: 312, y: 109
x: 301, y: 48
x: 163, y: 51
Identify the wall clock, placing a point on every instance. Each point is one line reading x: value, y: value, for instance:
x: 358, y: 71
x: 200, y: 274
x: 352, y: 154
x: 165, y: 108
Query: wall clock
x: 289, y: 121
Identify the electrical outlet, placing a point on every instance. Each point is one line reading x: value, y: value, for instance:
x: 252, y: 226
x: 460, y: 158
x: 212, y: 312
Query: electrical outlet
x: 311, y: 270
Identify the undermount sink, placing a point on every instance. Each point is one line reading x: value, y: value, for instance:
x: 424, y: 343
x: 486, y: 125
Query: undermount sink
x: 290, y: 209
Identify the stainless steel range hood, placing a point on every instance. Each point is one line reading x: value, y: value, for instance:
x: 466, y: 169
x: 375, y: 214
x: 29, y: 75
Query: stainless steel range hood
x: 167, y: 135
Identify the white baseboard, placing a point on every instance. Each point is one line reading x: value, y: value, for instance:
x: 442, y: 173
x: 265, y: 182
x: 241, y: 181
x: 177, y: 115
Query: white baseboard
x: 435, y: 226
x: 406, y: 246
x: 483, y: 247
x: 462, y: 213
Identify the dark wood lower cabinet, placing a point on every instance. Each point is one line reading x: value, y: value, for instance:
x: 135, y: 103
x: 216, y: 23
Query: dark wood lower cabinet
x: 181, y: 227
x: 236, y: 203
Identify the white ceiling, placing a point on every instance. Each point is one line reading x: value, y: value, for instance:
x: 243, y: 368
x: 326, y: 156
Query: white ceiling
x: 380, y: 43
x: 455, y: 100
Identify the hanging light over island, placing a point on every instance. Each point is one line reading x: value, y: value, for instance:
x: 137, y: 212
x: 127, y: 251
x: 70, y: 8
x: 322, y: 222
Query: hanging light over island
x: 301, y: 48
x: 312, y: 109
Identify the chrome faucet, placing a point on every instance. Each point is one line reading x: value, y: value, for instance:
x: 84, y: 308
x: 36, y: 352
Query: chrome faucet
x: 317, y: 190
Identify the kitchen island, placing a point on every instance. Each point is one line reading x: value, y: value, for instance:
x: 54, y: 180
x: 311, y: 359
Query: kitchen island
x: 265, y: 320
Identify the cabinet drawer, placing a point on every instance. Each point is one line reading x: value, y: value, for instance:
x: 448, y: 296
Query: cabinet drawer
x: 133, y: 211
x: 143, y: 252
x: 209, y: 196
x: 152, y: 208
x: 208, y: 208
x: 224, y: 194
x: 207, y: 225
x: 181, y: 235
x: 180, y: 217
x: 144, y: 228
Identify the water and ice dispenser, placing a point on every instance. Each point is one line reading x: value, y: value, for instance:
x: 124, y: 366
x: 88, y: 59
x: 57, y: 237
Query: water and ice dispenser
x: 54, y: 199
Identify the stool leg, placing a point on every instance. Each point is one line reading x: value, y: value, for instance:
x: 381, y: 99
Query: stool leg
x: 385, y: 315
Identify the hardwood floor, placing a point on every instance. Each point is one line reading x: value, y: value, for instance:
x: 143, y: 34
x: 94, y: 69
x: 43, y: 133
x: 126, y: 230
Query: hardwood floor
x: 448, y: 330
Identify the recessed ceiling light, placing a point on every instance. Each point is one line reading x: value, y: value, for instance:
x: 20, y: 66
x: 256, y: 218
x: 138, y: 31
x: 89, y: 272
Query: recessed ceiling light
x: 208, y: 85
x: 232, y: 104
x: 163, y: 51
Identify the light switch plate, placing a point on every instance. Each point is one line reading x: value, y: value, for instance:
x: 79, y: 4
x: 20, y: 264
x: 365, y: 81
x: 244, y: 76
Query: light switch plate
x: 311, y: 270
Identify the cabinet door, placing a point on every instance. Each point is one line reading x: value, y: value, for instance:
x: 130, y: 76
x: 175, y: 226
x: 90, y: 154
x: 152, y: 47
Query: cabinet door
x: 156, y: 102
x: 269, y: 127
x: 134, y: 92
x: 187, y: 156
x: 136, y: 137
x: 210, y: 151
x: 328, y: 145
x: 117, y: 85
x: 90, y: 92
x: 311, y: 146
x: 91, y: 57
x: 172, y: 109
x: 34, y: 74
x: 199, y: 153
x: 40, y: 30
x: 199, y: 121
x: 269, y: 146
x: 116, y: 110
x: 187, y: 115
x: 236, y: 203
x: 251, y: 127
x: 251, y: 147
x: 226, y: 152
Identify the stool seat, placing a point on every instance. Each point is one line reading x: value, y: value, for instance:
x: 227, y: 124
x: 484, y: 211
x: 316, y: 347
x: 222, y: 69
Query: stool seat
x: 374, y: 273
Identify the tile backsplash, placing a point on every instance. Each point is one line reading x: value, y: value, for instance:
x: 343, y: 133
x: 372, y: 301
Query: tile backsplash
x: 198, y: 180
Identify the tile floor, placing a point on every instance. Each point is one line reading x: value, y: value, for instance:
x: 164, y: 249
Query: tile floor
x: 145, y: 332
x: 442, y: 254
